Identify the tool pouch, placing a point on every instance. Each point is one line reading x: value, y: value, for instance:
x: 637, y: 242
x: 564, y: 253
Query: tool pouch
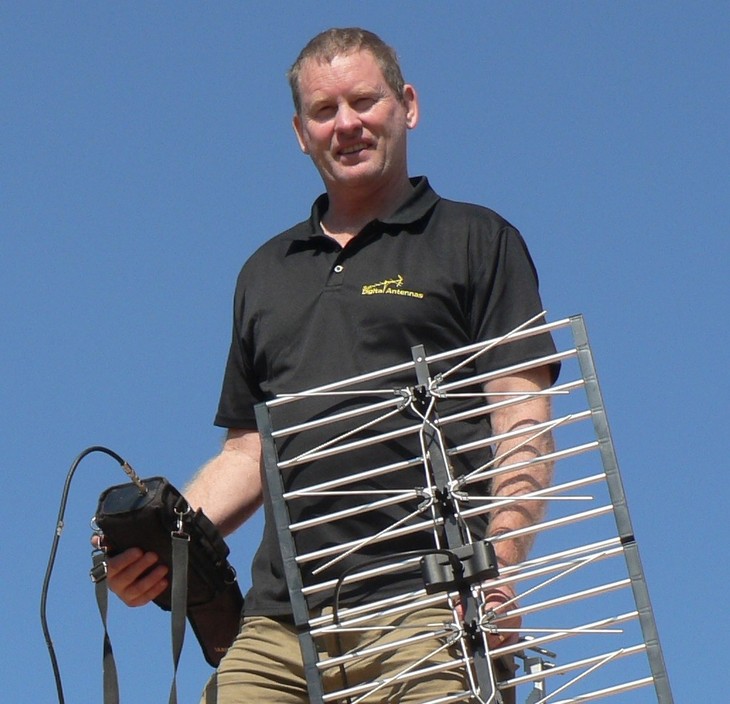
x: 153, y: 517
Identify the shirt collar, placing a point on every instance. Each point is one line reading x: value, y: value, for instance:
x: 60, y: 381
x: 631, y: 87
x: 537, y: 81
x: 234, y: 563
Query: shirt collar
x: 421, y: 199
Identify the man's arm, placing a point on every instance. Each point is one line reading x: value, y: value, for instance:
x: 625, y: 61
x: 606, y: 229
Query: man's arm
x: 520, y: 481
x: 228, y: 489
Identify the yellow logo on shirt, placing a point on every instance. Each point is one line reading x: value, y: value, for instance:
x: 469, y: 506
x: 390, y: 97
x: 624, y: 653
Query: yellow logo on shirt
x: 390, y: 286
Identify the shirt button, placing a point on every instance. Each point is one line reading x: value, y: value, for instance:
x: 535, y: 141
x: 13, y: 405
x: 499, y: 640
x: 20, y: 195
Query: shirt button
x: 339, y: 269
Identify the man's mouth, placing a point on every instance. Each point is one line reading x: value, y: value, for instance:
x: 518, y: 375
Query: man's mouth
x: 353, y: 149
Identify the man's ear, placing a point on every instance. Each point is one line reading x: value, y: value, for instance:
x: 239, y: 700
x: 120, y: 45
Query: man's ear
x: 299, y: 132
x: 410, y: 99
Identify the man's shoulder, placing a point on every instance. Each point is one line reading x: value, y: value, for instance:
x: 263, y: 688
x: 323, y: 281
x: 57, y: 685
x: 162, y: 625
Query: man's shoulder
x: 277, y: 246
x: 473, y: 227
x: 473, y: 212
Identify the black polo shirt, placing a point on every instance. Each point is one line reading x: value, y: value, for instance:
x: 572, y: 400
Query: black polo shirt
x: 308, y: 312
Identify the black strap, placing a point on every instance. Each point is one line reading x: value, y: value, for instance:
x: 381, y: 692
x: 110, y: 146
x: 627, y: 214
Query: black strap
x: 178, y: 603
x: 98, y: 575
x: 178, y: 612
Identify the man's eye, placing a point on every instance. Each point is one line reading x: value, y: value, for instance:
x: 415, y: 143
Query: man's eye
x: 324, y: 112
x: 362, y: 104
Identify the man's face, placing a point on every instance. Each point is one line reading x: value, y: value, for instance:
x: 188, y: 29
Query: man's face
x: 351, y: 123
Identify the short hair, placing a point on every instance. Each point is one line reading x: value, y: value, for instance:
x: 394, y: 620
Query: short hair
x: 341, y: 41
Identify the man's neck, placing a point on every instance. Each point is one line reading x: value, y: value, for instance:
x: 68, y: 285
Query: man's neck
x: 349, y: 212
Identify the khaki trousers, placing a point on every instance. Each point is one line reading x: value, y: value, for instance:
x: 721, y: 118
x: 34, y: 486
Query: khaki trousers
x: 264, y: 664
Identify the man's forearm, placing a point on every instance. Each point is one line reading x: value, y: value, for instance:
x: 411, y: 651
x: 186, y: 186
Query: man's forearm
x: 229, y: 487
x: 513, y: 451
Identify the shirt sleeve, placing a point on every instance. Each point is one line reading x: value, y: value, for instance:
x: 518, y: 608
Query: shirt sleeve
x: 240, y: 391
x: 505, y: 294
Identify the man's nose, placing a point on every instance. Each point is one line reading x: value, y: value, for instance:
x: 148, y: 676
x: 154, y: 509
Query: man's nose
x: 347, y: 119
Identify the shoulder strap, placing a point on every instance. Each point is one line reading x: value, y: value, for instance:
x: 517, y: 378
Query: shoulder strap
x: 180, y: 544
x: 98, y: 576
x: 178, y: 611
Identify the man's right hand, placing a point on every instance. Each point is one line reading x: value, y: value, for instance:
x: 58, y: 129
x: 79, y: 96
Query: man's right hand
x: 136, y: 577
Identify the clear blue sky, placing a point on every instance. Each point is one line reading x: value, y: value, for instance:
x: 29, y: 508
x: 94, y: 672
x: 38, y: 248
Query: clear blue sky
x: 146, y: 151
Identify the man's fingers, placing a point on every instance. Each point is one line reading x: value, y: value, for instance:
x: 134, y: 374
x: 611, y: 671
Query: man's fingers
x: 146, y: 589
x: 507, y: 626
x: 503, y: 636
x: 130, y: 563
x: 501, y: 639
x: 136, y: 577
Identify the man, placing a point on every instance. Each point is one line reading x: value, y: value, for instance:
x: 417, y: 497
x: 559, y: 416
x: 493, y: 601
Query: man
x: 304, y: 316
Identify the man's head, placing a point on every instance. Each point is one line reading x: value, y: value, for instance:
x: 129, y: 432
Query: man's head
x: 341, y: 41
x: 353, y: 112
